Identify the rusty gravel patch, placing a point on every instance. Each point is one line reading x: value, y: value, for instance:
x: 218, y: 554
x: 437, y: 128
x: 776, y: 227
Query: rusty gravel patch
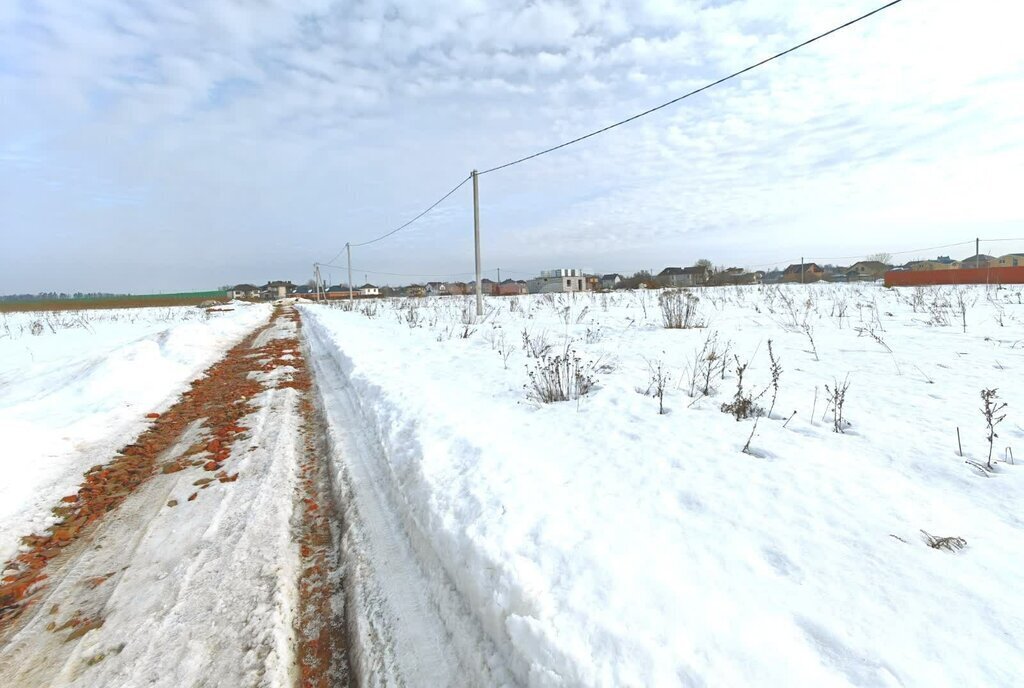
x: 321, y: 651
x: 221, y: 396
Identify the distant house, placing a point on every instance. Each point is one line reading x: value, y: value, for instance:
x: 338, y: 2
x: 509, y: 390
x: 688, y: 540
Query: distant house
x: 771, y: 277
x: 611, y: 280
x: 369, y: 290
x: 338, y: 291
x: 735, y: 276
x: 684, y: 277
x: 304, y: 290
x: 459, y: 288
x: 415, y: 290
x: 919, y: 265
x: 510, y: 287
x: 277, y: 289
x: 867, y: 270
x: 436, y: 289
x: 978, y: 260
x: 558, y: 280
x: 835, y: 273
x: 803, y: 272
x: 1010, y: 260
x: 244, y: 291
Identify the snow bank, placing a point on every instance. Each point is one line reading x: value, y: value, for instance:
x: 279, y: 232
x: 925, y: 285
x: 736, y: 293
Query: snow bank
x: 74, y: 394
x: 600, y: 543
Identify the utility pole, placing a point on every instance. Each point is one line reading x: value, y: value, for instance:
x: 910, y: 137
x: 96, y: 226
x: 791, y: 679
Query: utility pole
x: 801, y: 269
x: 499, y: 275
x: 348, y: 250
x: 476, y: 241
x: 977, y: 252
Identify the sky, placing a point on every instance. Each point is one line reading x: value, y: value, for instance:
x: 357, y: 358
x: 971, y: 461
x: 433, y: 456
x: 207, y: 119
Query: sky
x: 154, y: 146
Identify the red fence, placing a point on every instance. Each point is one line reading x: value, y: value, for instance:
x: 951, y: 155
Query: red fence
x: 913, y: 278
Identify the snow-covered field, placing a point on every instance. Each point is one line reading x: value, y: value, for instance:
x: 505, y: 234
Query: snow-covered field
x: 76, y: 386
x: 600, y: 542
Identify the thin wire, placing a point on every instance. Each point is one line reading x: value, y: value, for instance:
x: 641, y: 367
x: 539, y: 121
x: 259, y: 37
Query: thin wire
x: 403, y: 226
x: 808, y: 259
x: 402, y: 274
x: 696, y: 91
x: 898, y: 253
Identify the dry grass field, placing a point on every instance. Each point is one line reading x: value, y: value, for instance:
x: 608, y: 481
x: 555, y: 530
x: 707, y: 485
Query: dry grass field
x: 157, y: 301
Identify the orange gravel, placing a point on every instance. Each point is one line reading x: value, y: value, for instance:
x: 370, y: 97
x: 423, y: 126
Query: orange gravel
x: 220, y: 396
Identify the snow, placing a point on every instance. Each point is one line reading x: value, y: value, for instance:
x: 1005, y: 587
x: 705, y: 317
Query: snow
x: 596, y: 542
x: 74, y: 394
x: 200, y: 593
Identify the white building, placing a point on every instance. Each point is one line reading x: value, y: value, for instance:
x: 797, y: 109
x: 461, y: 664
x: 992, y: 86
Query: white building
x: 559, y: 280
x: 369, y: 290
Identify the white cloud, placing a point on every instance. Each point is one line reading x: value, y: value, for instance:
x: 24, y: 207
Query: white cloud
x: 128, y: 125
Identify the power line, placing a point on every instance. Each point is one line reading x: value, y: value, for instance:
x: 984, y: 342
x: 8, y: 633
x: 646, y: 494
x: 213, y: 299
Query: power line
x: 897, y: 253
x: 400, y: 274
x: 796, y: 261
x: 619, y: 123
x: 402, y: 226
x: 695, y: 91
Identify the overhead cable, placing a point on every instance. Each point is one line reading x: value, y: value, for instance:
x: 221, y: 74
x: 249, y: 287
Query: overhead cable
x: 693, y: 92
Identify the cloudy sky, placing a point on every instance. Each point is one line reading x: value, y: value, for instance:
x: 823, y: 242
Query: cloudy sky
x: 149, y: 145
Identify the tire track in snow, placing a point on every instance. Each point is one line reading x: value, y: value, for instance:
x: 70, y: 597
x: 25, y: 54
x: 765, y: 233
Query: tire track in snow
x: 181, y: 584
x: 321, y: 645
x: 407, y: 623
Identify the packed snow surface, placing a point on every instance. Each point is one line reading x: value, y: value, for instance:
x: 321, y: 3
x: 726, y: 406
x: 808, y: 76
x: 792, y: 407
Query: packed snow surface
x: 597, y: 542
x: 197, y: 585
x: 76, y: 386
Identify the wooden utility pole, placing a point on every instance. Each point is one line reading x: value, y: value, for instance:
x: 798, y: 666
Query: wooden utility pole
x: 476, y: 242
x: 801, y: 269
x: 348, y: 250
x: 977, y: 252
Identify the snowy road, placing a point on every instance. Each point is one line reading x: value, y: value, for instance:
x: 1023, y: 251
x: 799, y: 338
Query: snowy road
x: 250, y: 535
x: 407, y: 623
x: 194, y: 578
x: 367, y: 497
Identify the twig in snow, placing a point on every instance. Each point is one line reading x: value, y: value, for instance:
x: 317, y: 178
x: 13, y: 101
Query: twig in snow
x: 951, y: 544
x: 979, y: 466
x: 746, y: 447
x: 990, y: 409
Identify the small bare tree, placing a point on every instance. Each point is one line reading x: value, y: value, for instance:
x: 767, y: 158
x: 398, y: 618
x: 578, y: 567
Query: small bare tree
x: 708, y: 362
x: 679, y: 310
x: 776, y: 372
x: 808, y: 330
x: 536, y: 346
x: 835, y: 399
x: 562, y: 377
x: 657, y: 380
x: 991, y: 408
x: 742, y: 404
